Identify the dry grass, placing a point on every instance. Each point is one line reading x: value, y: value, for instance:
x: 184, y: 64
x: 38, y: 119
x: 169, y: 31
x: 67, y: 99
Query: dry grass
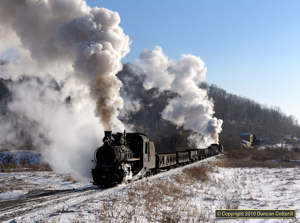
x: 178, y: 178
x: 252, y: 157
x: 218, y: 161
x: 257, y: 163
x: 70, y: 178
x: 198, y: 173
x: 13, y: 167
x: 14, y: 184
x: 155, y: 201
x: 232, y: 202
x: 171, y: 201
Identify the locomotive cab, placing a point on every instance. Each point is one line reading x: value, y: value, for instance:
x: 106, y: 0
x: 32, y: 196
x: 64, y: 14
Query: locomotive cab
x: 123, y: 158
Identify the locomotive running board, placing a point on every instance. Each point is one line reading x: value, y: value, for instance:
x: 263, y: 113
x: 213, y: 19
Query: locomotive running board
x: 133, y: 159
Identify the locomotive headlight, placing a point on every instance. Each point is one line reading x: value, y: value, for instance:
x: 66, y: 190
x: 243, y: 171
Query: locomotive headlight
x: 106, y: 156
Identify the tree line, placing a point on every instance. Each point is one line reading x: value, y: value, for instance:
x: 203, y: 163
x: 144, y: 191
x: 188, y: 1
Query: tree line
x: 239, y: 115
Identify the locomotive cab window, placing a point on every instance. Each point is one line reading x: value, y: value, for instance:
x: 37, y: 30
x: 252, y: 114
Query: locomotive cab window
x: 146, y: 147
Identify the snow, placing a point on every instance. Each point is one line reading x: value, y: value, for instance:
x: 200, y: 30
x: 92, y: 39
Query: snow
x: 15, y: 194
x: 29, y: 183
x: 261, y: 148
x: 245, y: 141
x: 242, y: 188
x: 285, y: 146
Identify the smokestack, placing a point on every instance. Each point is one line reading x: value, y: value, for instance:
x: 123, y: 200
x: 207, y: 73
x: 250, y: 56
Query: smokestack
x: 107, y: 137
x: 107, y: 134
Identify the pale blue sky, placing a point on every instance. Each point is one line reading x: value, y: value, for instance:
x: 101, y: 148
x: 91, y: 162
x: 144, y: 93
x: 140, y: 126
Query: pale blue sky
x: 251, y: 48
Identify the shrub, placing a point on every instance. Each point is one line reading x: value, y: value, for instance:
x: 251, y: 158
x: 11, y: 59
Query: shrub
x: 69, y: 178
x: 269, y: 157
x: 198, y: 173
x: 12, y: 166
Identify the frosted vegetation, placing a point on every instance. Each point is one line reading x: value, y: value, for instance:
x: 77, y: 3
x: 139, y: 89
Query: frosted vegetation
x: 188, y: 194
x: 240, y: 178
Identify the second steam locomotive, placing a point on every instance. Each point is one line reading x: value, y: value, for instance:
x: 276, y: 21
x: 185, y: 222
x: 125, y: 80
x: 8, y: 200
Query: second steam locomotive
x: 125, y: 157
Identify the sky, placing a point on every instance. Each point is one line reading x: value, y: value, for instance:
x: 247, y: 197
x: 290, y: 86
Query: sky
x: 250, y: 48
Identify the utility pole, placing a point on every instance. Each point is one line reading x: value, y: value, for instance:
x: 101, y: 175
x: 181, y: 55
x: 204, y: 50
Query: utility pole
x: 281, y: 148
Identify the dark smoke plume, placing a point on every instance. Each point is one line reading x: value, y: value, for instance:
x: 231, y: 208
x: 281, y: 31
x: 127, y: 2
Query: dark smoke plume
x: 81, y: 48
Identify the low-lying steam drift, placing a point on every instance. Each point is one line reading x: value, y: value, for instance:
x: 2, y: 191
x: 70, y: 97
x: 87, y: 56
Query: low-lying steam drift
x: 191, y: 109
x: 66, y: 50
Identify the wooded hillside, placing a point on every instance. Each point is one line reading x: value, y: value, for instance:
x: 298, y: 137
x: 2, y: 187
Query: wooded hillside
x: 239, y: 115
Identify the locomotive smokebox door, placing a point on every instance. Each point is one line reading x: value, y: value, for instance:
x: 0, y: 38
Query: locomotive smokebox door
x: 149, y: 155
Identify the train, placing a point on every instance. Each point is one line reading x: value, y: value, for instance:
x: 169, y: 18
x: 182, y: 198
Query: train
x: 126, y: 157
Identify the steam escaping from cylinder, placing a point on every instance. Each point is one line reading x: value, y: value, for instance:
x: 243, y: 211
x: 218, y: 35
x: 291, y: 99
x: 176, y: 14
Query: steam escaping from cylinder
x: 80, y: 50
x: 191, y: 109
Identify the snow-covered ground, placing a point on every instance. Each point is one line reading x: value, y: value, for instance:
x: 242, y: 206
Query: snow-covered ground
x: 16, y: 185
x: 278, y: 145
x: 168, y: 197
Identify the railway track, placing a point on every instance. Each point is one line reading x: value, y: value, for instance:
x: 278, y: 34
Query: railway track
x: 16, y: 208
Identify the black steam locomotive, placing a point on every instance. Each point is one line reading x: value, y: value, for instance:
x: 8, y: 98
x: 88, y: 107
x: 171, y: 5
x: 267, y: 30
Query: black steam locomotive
x: 126, y: 157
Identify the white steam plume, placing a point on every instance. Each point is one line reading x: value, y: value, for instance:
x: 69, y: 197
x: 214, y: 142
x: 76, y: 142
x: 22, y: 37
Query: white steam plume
x: 192, y: 108
x: 131, y: 104
x: 81, y: 48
